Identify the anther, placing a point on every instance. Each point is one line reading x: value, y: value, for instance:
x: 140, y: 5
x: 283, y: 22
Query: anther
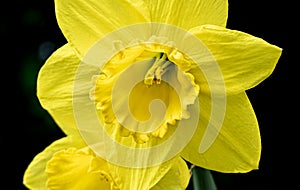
x: 154, y: 74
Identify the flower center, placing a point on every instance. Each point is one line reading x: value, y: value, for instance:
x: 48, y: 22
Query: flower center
x: 127, y: 91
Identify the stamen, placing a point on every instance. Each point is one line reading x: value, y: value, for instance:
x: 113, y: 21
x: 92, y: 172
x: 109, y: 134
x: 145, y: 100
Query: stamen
x: 154, y: 74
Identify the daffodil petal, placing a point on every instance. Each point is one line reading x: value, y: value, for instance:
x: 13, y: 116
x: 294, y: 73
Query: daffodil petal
x: 244, y: 60
x: 35, y: 176
x: 145, y: 178
x: 55, y: 84
x: 177, y: 178
x: 237, y: 147
x: 189, y: 14
x: 84, y: 22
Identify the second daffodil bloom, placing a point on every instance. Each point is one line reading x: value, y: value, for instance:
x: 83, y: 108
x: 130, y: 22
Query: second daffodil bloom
x: 141, y: 87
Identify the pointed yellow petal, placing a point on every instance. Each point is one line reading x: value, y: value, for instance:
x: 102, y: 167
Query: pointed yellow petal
x: 55, y: 85
x: 189, y: 14
x: 83, y: 22
x: 244, y: 60
x: 145, y: 178
x: 178, y: 177
x: 35, y: 176
x: 237, y: 147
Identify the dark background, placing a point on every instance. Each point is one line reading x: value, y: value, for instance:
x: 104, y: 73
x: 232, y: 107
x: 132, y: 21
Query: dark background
x: 29, y: 34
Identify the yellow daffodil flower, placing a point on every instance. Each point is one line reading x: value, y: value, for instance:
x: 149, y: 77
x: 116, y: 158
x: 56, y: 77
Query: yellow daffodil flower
x: 142, y: 84
x: 68, y: 163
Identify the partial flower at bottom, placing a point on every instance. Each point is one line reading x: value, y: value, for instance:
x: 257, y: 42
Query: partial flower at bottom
x: 68, y: 164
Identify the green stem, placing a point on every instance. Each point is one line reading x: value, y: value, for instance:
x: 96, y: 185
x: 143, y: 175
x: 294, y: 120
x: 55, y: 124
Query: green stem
x: 202, y: 179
